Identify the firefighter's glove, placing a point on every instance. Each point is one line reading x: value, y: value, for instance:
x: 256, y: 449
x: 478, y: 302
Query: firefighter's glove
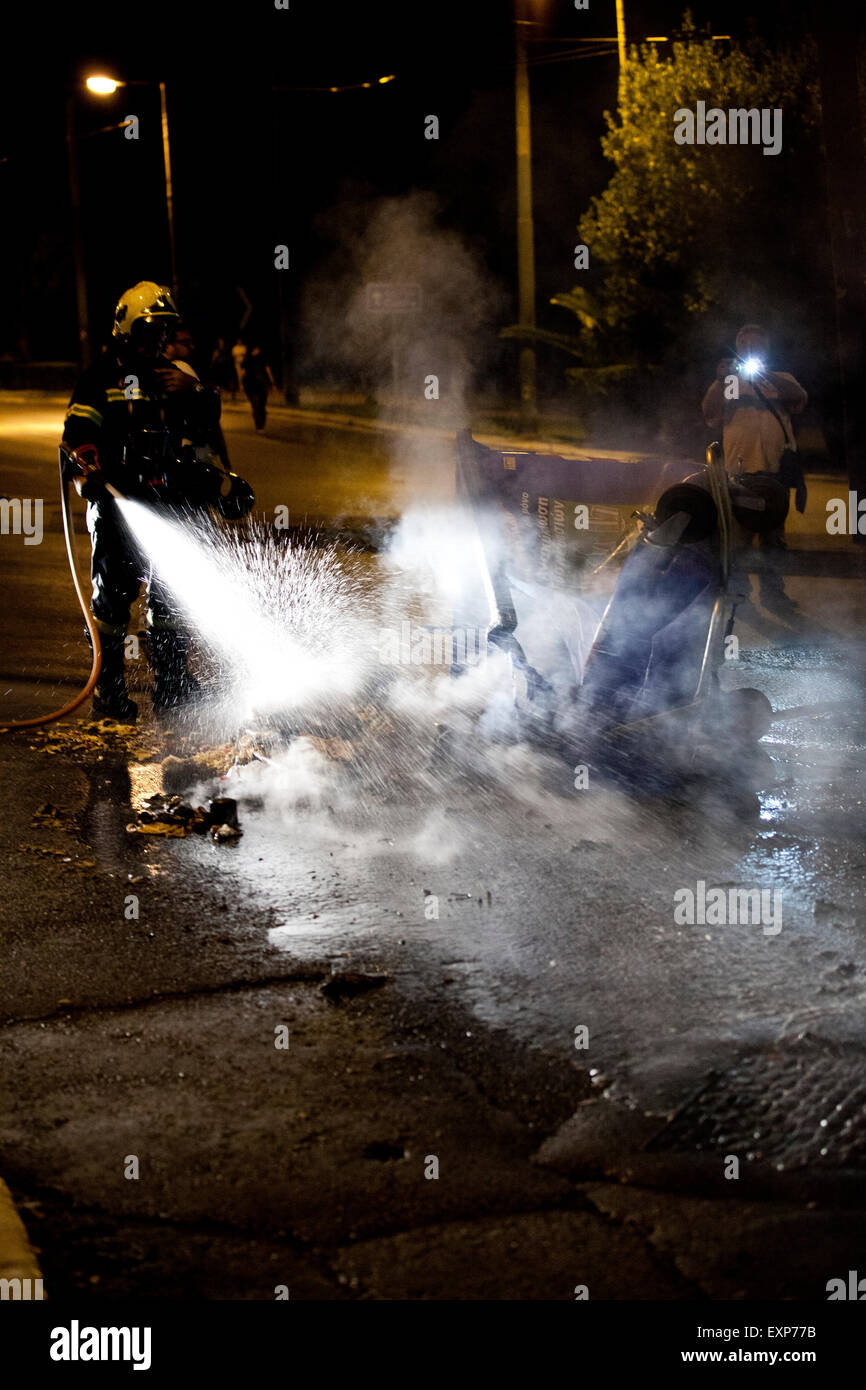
x: 173, y: 380
x: 86, y: 472
x: 234, y: 504
x: 200, y: 481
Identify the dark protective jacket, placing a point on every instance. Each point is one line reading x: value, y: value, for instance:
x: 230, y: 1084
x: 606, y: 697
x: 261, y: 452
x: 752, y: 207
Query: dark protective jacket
x: 145, y: 437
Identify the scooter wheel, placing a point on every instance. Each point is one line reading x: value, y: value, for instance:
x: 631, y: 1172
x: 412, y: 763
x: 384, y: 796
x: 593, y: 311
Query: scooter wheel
x: 696, y: 502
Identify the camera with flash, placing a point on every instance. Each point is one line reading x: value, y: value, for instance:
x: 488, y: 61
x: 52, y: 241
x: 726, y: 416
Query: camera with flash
x: 751, y: 366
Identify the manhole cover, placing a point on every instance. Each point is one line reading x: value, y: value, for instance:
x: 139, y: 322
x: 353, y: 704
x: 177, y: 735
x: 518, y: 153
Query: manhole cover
x: 804, y: 1107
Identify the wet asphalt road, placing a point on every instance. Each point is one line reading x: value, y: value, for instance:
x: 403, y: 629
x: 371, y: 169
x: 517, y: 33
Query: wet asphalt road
x: 555, y: 907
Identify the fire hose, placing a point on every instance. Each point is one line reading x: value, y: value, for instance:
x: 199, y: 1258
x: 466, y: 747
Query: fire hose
x: 92, y: 629
x: 232, y: 507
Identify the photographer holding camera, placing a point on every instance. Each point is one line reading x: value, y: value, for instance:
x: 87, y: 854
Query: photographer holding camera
x: 753, y: 408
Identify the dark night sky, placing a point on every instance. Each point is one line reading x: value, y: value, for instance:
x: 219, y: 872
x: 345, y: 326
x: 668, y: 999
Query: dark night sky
x: 253, y: 167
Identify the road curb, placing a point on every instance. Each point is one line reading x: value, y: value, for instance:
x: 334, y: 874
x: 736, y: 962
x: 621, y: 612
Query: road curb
x: 406, y: 428
x: 17, y: 1256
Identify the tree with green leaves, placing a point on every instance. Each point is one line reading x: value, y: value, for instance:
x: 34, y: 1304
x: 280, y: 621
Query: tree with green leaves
x: 682, y: 228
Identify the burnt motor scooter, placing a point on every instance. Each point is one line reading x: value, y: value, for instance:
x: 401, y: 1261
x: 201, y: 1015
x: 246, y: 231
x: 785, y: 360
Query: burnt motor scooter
x: 646, y: 706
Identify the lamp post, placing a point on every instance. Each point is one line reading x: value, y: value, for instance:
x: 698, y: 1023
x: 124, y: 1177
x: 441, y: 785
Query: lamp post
x: 169, y: 197
x: 77, y: 248
x: 106, y: 86
x: 525, y: 229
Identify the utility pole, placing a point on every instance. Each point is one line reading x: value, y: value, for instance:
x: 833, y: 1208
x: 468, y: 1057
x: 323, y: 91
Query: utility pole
x: 77, y: 249
x: 169, y: 197
x: 525, y: 232
x: 620, y: 34
x: 846, y: 179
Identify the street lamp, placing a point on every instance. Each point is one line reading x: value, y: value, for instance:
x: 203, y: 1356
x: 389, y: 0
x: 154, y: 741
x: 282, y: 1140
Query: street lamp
x: 103, y: 86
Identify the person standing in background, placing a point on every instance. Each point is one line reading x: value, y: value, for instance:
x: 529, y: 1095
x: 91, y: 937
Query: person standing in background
x: 753, y: 407
x: 221, y: 371
x: 239, y: 352
x: 258, y: 381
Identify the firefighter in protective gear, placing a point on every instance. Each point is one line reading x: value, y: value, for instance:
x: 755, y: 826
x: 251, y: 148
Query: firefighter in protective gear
x: 135, y: 421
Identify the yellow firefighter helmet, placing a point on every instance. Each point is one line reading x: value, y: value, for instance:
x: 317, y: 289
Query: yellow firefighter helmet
x: 145, y: 302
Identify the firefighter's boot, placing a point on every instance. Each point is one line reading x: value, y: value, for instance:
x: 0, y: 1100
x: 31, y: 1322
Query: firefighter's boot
x: 111, y: 700
x: 172, y: 684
